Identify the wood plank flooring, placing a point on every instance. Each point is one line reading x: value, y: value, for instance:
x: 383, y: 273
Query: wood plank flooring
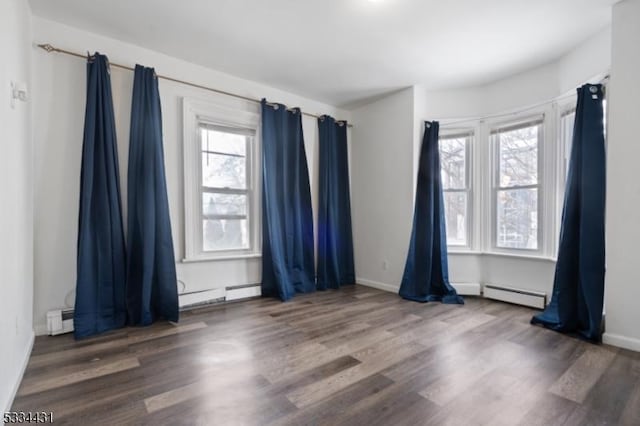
x: 355, y: 356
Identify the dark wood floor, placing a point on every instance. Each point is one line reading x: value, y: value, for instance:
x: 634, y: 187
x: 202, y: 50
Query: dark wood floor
x: 354, y: 356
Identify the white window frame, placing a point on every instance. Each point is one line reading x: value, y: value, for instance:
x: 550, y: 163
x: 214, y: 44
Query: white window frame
x: 469, y: 135
x: 551, y: 178
x: 493, y: 131
x: 564, y: 152
x: 243, y: 119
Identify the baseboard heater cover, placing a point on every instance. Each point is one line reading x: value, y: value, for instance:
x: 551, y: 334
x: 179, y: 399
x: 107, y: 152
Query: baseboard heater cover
x: 517, y: 296
x: 201, y: 298
x: 243, y: 292
x: 59, y: 321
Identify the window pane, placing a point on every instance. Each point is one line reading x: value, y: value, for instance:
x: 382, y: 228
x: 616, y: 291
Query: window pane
x: 222, y: 142
x: 455, y: 207
x: 224, y: 234
x: 223, y: 171
x: 452, y: 163
x: 224, y: 204
x: 519, y: 156
x: 517, y: 218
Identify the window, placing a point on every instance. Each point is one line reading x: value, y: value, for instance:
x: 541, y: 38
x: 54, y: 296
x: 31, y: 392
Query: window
x: 225, y: 189
x: 517, y: 185
x: 220, y: 181
x: 504, y: 181
x: 454, y: 165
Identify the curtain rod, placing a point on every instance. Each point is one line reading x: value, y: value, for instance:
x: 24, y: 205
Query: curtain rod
x: 444, y: 122
x: 49, y: 48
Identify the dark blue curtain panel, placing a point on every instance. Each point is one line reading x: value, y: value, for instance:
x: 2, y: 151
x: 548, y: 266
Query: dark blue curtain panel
x: 152, y: 291
x: 578, y: 286
x: 101, y: 273
x: 426, y: 273
x: 335, y: 239
x: 287, y: 217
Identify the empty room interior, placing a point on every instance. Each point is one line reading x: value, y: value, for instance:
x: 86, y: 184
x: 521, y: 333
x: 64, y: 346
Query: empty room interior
x: 339, y: 212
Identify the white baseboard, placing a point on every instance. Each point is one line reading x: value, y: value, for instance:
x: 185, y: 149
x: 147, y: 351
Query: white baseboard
x: 380, y: 286
x: 621, y: 341
x: 463, y: 289
x: 23, y: 367
x: 40, y: 329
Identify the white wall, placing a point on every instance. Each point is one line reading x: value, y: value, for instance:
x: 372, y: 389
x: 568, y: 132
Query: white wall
x: 590, y: 59
x: 622, y: 297
x: 59, y: 100
x: 382, y: 195
x: 16, y: 195
x: 382, y: 214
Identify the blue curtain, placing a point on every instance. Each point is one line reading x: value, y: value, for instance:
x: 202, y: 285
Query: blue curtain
x: 426, y: 273
x: 287, y: 218
x: 151, y: 269
x: 335, y: 240
x: 100, y: 282
x: 578, y: 286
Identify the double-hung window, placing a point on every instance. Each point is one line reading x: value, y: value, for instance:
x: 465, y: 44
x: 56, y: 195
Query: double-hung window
x: 221, y: 181
x: 455, y: 168
x: 517, y: 185
x: 226, y: 190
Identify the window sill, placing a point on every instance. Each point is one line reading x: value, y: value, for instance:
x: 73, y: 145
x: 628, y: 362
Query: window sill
x: 502, y: 254
x: 463, y: 251
x: 521, y: 256
x: 222, y: 258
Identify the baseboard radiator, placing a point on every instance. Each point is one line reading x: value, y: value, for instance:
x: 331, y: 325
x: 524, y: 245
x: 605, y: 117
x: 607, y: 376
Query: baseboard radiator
x: 199, y: 299
x: 59, y: 321
x: 515, y: 295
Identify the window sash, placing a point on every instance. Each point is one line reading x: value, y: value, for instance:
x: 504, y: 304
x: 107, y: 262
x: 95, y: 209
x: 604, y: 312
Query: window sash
x: 495, y: 141
x: 538, y: 233
x: 247, y: 190
x: 467, y: 165
x: 467, y: 217
x: 520, y: 124
x: 210, y: 190
x: 467, y: 135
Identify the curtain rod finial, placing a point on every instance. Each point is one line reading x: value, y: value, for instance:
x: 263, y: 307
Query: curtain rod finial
x: 49, y: 48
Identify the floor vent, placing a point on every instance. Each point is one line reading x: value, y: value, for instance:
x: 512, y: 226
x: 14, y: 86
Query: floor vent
x: 514, y: 295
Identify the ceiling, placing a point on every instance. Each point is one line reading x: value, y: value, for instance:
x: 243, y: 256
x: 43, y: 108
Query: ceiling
x: 344, y: 51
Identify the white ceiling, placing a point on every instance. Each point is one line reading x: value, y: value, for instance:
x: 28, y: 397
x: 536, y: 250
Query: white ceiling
x: 343, y: 51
